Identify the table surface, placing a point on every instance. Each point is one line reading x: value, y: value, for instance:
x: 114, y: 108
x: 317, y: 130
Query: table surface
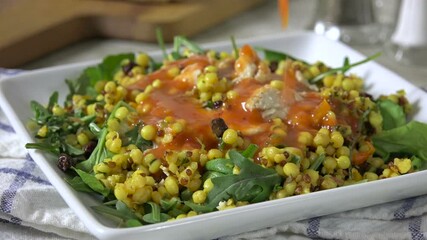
x: 263, y: 20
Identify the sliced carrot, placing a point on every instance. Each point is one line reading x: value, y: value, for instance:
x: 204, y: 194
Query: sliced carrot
x: 359, y: 158
x: 321, y: 111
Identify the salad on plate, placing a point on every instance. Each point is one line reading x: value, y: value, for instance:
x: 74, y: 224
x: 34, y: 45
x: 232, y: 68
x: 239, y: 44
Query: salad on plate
x: 202, y: 131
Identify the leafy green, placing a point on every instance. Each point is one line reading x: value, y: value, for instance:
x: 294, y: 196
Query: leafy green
x: 78, y: 184
x: 161, y: 42
x: 167, y: 205
x: 121, y: 211
x: 317, y: 162
x: 220, y: 165
x: 154, y: 215
x: 235, y: 48
x: 250, y: 151
x: 409, y: 139
x: 98, y: 155
x: 254, y: 184
x: 418, y: 164
x: 100, y: 152
x: 392, y: 113
x: 347, y: 66
x: 92, y: 182
x: 41, y: 114
x: 133, y: 223
x: 58, y: 127
x: 53, y: 100
x: 181, y: 41
x: 275, y: 56
x: 91, y: 75
x: 133, y: 136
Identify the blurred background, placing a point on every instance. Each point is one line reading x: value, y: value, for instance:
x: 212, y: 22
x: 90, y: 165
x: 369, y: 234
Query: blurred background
x: 46, y: 33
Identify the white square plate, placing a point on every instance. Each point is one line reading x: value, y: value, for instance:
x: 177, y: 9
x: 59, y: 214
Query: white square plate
x: 17, y: 92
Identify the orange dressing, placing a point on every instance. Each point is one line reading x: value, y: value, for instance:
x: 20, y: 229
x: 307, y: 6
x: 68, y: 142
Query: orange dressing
x: 307, y: 110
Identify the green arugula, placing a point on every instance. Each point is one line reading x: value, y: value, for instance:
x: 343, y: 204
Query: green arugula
x: 161, y: 42
x: 121, y: 211
x: 254, y: 183
x: 274, y: 56
x: 58, y: 128
x: 100, y: 152
x: 346, y: 66
x: 133, y: 136
x: 92, y: 182
x: 409, y: 139
x: 154, y: 214
x: 78, y: 184
x: 317, y: 162
x: 84, y: 85
x: 392, y: 113
x: 181, y: 41
x: 235, y: 48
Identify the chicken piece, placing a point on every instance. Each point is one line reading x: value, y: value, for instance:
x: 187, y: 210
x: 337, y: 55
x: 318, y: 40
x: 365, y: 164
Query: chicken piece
x: 268, y: 101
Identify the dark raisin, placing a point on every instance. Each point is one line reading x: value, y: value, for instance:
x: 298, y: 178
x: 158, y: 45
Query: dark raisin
x: 273, y: 66
x: 217, y: 104
x: 218, y: 126
x: 65, y: 162
x: 128, y: 67
x: 88, y: 148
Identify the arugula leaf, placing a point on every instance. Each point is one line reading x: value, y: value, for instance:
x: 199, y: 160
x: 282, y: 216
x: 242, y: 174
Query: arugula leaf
x: 92, y: 182
x: 123, y: 208
x: 254, y: 184
x: 133, y: 136
x: 181, y: 41
x: 41, y: 114
x: 153, y: 65
x: 98, y: 155
x: 161, y: 42
x: 275, y: 56
x: 410, y: 139
x: 155, y: 216
x: 100, y: 152
x: 347, y: 66
x: 91, y: 75
x: 220, y: 165
x: 53, y: 99
x: 250, y: 151
x: 77, y: 184
x: 418, y: 164
x: 133, y: 223
x: 392, y: 113
x: 317, y: 162
x: 167, y: 205
x: 235, y: 48
x: 122, y: 212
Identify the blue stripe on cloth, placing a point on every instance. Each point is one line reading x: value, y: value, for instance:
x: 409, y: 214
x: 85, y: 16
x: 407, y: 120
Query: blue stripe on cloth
x: 400, y: 213
x: 313, y: 227
x: 26, y: 175
x: 6, y: 127
x: 9, y: 194
x: 415, y: 229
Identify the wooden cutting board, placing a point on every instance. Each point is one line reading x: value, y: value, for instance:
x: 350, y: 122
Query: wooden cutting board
x: 30, y: 29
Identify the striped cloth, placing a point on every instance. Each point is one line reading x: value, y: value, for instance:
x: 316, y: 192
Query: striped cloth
x: 30, y: 208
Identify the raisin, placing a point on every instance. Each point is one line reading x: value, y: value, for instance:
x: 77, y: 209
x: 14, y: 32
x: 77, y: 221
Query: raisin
x: 128, y: 67
x: 88, y: 148
x: 65, y: 162
x: 218, y: 127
